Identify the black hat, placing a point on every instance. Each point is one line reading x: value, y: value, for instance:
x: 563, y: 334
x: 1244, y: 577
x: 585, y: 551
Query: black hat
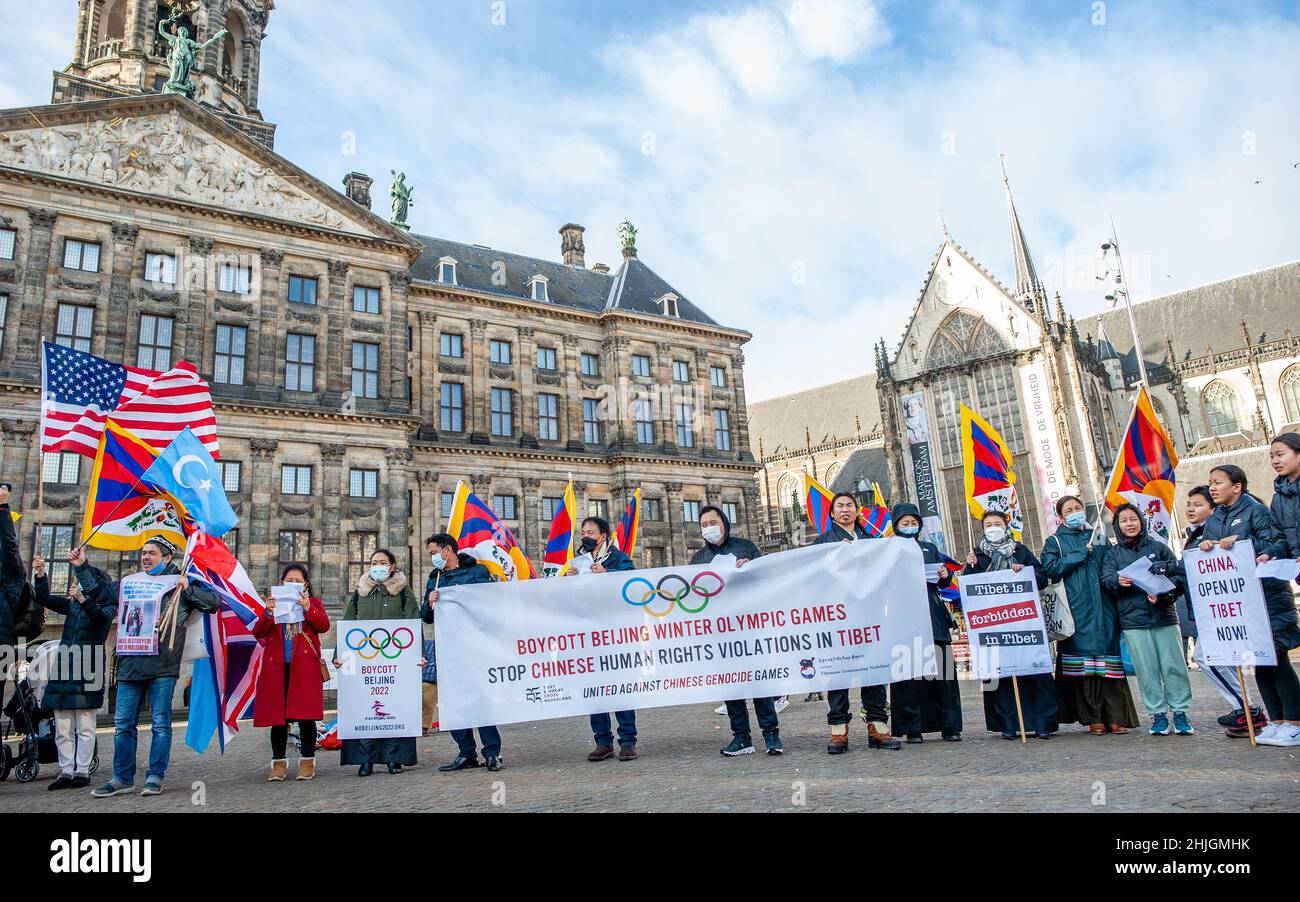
x: 905, y: 509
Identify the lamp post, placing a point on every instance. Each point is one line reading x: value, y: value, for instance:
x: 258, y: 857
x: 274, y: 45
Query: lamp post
x: 1121, y: 291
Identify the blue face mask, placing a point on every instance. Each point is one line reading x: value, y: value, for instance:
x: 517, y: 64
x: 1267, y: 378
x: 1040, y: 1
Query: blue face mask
x: 157, y: 571
x: 909, y: 532
x: 379, y: 573
x: 1077, y: 520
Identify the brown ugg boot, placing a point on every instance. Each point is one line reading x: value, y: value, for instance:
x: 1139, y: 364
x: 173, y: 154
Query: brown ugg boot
x: 279, y: 768
x: 306, y: 769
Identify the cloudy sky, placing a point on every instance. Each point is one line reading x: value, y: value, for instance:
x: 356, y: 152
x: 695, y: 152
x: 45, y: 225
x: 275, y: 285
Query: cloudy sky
x: 786, y: 160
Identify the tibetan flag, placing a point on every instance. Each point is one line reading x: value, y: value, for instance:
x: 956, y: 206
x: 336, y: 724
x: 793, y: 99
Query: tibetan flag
x: 990, y: 476
x: 625, y: 534
x: 186, y: 471
x: 559, y: 544
x: 480, y: 534
x: 877, y: 520
x: 817, y: 499
x: 1144, y: 471
x: 123, y: 511
x: 952, y: 594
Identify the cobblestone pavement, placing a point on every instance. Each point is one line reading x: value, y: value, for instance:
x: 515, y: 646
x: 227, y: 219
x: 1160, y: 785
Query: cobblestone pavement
x: 680, y: 770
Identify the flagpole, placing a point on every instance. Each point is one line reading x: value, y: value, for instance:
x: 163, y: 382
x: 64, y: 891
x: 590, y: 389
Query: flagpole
x: 1123, y: 289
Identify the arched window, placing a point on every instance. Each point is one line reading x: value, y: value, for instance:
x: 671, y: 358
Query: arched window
x: 787, y: 491
x: 113, y: 21
x: 831, y: 472
x: 1219, y: 401
x: 232, y: 47
x: 1290, y: 385
x: 963, y: 336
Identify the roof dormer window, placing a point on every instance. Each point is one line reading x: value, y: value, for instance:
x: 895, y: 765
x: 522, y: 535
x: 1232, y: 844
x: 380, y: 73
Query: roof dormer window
x: 668, y: 305
x: 447, y: 271
x: 537, y: 289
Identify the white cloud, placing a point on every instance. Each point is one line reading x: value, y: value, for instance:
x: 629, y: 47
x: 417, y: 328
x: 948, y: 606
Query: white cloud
x: 842, y: 31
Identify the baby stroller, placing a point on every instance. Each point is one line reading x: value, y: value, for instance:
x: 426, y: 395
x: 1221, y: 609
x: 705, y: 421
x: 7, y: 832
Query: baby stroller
x: 35, y: 724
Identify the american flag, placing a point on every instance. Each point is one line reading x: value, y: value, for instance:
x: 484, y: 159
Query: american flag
x: 79, y: 391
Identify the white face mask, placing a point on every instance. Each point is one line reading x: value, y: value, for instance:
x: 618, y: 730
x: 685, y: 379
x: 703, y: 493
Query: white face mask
x: 995, y: 534
x: 439, y: 562
x: 712, y: 534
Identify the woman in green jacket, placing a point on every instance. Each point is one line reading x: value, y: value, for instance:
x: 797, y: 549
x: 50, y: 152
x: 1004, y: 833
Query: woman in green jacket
x: 382, y: 593
x: 1089, y: 672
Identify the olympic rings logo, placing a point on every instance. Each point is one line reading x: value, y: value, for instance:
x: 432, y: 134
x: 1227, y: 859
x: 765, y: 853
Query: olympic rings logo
x: 675, y: 590
x: 376, y: 646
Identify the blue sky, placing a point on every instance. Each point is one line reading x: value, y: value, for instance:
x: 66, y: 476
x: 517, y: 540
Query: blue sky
x: 785, y: 160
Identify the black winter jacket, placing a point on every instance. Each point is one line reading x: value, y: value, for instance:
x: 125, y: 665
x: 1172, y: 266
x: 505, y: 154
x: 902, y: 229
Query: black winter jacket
x: 15, y: 592
x: 743, y: 549
x: 1250, y: 519
x: 1135, y: 611
x: 78, y: 675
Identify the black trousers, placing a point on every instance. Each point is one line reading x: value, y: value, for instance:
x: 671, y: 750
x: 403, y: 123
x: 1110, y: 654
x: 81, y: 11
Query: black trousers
x: 280, y: 733
x: 874, y: 699
x: 765, y: 708
x: 1279, y: 688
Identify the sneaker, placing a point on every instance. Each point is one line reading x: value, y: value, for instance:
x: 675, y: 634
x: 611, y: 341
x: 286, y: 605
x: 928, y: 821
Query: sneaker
x: 62, y: 781
x: 152, y: 787
x: 740, y: 745
x: 721, y: 709
x: 113, y: 787
x: 1160, y: 725
x: 1282, y: 735
x: 1230, y: 720
x: 79, y: 781
x: 782, y: 703
x: 1182, y: 726
x: 1267, y: 733
x: 774, y: 746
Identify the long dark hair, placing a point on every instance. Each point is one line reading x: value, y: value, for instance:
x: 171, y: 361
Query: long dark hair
x: 1290, y: 439
x: 306, y: 575
x: 1237, y: 476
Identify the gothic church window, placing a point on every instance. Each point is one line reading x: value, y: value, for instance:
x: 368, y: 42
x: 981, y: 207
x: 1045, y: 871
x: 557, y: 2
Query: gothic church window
x: 1290, y: 385
x: 1219, y: 402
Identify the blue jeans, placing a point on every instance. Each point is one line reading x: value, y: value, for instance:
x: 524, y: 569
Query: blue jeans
x: 626, y: 728
x: 130, y: 693
x: 490, y: 736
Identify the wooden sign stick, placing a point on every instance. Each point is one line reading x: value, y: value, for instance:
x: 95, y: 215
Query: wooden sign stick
x: 1020, y: 714
x: 1245, y: 706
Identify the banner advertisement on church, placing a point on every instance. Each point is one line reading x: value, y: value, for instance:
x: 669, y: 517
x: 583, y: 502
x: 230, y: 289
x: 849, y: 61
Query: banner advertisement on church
x: 1044, y: 442
x: 917, y: 422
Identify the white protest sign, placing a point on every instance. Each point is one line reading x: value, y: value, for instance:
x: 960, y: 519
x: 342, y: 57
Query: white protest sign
x: 379, y: 680
x: 1004, y: 621
x: 287, y: 607
x: 1139, y: 572
x: 139, y: 605
x: 824, y: 617
x: 1231, y: 617
x: 1279, y: 568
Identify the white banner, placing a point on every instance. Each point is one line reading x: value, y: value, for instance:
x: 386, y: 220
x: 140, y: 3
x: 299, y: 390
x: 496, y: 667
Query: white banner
x: 1004, y: 620
x: 379, y: 680
x: 824, y: 617
x: 1044, y: 441
x: 140, y: 598
x: 1232, y: 624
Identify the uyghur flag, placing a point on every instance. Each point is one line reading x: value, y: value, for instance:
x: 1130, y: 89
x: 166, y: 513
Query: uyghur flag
x: 122, y: 511
x: 186, y: 471
x: 817, y: 499
x: 990, y: 477
x: 1144, y: 471
x: 559, y: 544
x: 629, y: 527
x: 480, y: 534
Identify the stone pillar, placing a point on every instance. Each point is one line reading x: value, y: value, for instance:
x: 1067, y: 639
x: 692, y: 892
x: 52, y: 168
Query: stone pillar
x: 83, y: 30
x: 33, y: 323
x: 19, y: 443
x: 397, y: 526
x: 393, y: 355
x: 740, y: 409
x: 120, y: 307
x: 616, y: 368
x: 428, y: 512
x: 266, y: 340
x: 137, y: 19
x: 525, y: 364
x: 198, y: 289
x: 676, y: 528
x: 255, y: 59
x: 664, y: 404
x: 572, y: 397
x: 478, y: 404
x: 338, y: 370
x: 532, y: 532
x: 749, y: 512
x: 333, y: 560
x: 579, y: 501
x: 264, y: 549
x: 425, y: 383
x: 705, y: 439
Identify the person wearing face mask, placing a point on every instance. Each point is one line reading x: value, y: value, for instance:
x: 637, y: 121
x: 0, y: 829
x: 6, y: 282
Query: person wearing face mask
x: 846, y: 527
x: 144, y: 676
x: 451, y: 568
x: 715, y: 529
x: 1090, y: 675
x: 605, y: 557
x: 930, y: 704
x: 290, y: 685
x: 382, y: 593
x: 1240, y: 515
x: 999, y: 550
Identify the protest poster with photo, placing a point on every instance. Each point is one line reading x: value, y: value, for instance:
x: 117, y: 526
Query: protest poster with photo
x: 140, y: 599
x: 379, y: 679
x: 1004, y: 620
x: 1232, y: 622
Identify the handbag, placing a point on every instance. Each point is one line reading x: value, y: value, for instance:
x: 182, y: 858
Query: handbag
x: 1056, y: 610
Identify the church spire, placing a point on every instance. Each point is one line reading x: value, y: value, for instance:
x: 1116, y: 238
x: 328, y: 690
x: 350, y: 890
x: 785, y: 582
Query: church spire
x: 1029, y: 291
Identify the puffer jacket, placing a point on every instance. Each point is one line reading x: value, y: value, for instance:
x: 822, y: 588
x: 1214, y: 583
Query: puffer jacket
x: 743, y: 549
x: 461, y: 576
x: 78, y: 675
x: 1250, y: 519
x: 1286, y: 512
x: 15, y: 593
x: 1135, y: 611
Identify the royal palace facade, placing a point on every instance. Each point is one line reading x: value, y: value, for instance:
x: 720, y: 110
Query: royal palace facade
x: 358, y: 371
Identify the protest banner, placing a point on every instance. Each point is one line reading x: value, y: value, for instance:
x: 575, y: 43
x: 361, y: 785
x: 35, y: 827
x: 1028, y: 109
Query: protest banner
x: 1232, y: 622
x: 830, y: 616
x: 139, y: 605
x: 379, y: 679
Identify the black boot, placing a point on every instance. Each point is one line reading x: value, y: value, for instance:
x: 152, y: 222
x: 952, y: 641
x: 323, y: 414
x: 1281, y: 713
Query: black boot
x: 365, y: 770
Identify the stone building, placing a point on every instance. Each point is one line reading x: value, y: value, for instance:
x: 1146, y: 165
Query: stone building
x: 1222, y: 360
x: 358, y: 371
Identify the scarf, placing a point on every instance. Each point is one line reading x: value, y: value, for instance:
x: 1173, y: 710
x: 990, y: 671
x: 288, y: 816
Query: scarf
x: 1000, y: 554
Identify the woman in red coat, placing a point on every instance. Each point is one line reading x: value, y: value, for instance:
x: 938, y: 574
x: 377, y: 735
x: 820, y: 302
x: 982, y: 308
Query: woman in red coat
x: 290, y: 685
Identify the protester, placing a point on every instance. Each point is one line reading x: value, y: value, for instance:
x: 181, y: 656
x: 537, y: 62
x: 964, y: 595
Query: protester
x: 1091, y: 683
x: 144, y: 676
x: 999, y: 550
x: 451, y: 568
x: 382, y: 593
x: 78, y: 672
x: 290, y: 685
x: 1239, y: 516
x: 846, y: 527
x: 930, y: 704
x: 14, y: 590
x: 429, y: 648
x: 1150, y: 622
x: 603, y: 556
x: 715, y: 528
x: 1284, y: 452
x: 1200, y: 504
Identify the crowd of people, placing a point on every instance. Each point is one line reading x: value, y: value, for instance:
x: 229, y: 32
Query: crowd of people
x: 1089, y: 685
